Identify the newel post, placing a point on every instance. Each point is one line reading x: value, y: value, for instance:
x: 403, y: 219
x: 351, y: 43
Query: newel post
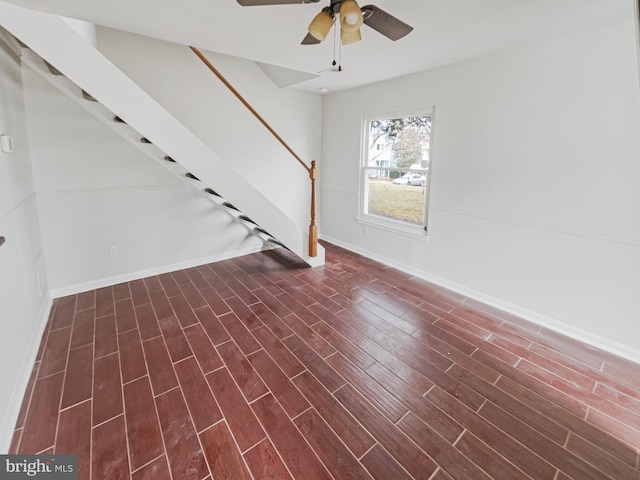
x: 313, y: 228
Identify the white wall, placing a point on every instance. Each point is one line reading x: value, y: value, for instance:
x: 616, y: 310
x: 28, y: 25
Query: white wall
x: 535, y: 205
x: 182, y: 84
x: 23, y: 286
x: 96, y: 191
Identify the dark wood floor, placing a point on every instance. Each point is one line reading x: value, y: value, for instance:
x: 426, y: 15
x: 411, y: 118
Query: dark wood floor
x: 258, y: 368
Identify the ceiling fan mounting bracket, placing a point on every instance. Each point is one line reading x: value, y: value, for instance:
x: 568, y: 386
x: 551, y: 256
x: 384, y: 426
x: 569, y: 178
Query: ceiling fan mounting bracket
x: 335, y: 6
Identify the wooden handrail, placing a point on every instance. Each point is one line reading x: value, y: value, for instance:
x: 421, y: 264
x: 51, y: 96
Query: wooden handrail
x: 217, y: 73
x: 312, y: 171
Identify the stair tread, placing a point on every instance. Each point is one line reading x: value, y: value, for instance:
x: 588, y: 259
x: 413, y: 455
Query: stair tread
x: 88, y: 96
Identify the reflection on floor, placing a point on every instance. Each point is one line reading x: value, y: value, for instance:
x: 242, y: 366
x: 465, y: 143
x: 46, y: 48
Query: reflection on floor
x: 259, y: 368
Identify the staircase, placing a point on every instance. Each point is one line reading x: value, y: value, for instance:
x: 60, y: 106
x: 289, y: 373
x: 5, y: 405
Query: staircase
x: 52, y: 49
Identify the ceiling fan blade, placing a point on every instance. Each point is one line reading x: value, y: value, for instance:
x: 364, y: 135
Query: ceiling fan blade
x: 309, y: 40
x: 253, y: 3
x: 385, y: 23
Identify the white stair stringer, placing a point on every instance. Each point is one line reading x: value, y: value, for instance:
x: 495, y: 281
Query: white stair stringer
x: 62, y: 47
x: 133, y: 137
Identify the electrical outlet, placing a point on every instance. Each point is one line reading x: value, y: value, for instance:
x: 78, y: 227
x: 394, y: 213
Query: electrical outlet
x: 365, y: 231
x: 6, y: 143
x: 113, y: 250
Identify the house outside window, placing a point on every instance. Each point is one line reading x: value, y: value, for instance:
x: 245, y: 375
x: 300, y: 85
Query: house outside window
x: 395, y: 171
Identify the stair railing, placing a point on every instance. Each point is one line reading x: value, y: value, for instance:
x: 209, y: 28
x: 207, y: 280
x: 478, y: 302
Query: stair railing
x: 312, y: 170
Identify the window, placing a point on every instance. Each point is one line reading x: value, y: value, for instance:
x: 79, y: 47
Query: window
x: 395, y: 171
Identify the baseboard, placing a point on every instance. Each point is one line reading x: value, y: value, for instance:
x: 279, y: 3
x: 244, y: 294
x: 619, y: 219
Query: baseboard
x: 580, y: 335
x: 135, y: 275
x: 25, y: 367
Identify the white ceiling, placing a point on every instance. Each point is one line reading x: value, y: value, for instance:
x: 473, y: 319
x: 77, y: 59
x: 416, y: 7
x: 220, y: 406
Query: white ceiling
x: 445, y: 31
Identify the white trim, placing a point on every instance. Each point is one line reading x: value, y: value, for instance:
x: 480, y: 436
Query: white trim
x: 556, y: 325
x: 416, y: 232
x: 636, y: 10
x: 130, y: 276
x: 506, y: 220
x: 427, y: 186
x: 25, y: 367
x: 86, y: 192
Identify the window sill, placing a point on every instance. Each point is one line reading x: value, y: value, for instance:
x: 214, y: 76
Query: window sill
x: 400, y: 228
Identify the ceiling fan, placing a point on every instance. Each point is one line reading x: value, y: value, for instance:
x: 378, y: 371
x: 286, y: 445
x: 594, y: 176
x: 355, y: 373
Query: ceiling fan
x: 349, y: 16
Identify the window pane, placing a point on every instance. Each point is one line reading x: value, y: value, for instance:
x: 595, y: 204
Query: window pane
x: 396, y: 167
x: 400, y: 199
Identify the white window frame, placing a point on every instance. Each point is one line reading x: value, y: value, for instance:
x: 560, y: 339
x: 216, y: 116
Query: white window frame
x: 419, y: 232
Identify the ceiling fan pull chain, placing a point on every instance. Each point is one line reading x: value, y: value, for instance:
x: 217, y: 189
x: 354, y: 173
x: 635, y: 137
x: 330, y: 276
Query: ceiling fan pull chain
x: 337, y: 50
x: 339, y: 55
x: 335, y: 45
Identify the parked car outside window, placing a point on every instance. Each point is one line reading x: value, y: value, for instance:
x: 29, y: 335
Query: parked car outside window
x: 410, y: 179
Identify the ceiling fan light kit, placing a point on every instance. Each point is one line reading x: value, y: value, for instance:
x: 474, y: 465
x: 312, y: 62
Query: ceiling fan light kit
x: 350, y: 16
x: 321, y: 24
x: 348, y: 38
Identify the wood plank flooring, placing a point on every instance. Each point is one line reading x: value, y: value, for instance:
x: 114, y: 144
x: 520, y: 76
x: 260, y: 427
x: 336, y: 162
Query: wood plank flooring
x: 258, y: 368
